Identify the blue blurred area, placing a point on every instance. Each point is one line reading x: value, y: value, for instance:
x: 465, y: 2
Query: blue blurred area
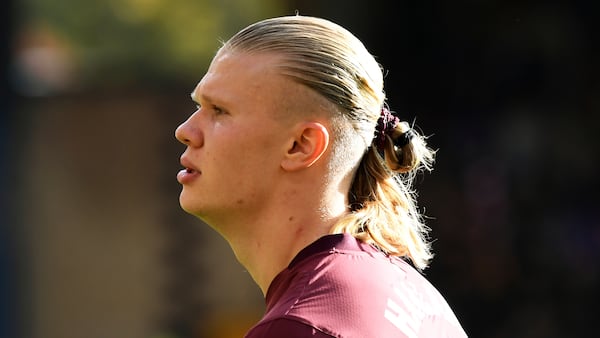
x: 8, y: 249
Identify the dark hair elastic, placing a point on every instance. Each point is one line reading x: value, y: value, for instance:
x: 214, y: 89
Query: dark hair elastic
x: 386, y: 124
x: 385, y: 127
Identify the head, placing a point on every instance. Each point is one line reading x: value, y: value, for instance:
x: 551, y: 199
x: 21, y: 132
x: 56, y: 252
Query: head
x: 333, y: 64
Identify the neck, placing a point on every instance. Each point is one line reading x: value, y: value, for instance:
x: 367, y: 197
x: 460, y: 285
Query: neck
x: 273, y: 237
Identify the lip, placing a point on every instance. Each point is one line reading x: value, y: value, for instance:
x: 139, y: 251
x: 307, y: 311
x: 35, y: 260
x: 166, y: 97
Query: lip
x: 189, y: 173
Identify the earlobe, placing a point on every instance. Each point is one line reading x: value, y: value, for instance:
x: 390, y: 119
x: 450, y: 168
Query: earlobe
x: 309, y: 144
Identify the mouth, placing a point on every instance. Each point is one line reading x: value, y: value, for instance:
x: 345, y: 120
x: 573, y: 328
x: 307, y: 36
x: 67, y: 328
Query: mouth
x: 189, y: 173
x: 187, y: 164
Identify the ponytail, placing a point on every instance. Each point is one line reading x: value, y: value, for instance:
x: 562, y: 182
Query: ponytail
x: 382, y: 200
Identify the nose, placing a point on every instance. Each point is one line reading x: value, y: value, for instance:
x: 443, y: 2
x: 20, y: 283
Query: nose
x: 189, y: 132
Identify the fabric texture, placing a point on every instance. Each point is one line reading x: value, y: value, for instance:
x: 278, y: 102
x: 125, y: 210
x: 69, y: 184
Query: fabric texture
x: 341, y: 287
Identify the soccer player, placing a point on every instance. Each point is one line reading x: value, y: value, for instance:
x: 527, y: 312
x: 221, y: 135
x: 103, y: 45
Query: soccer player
x: 294, y: 158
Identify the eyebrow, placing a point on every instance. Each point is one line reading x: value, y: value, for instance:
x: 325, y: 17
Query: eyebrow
x: 193, y: 96
x: 203, y: 97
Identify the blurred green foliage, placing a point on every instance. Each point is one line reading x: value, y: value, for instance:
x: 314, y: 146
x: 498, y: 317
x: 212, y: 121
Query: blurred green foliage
x: 125, y: 41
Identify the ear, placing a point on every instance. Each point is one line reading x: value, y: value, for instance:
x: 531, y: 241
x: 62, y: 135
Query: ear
x: 308, y: 145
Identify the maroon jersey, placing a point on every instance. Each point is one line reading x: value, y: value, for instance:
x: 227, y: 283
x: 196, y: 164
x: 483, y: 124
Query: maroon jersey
x: 341, y: 287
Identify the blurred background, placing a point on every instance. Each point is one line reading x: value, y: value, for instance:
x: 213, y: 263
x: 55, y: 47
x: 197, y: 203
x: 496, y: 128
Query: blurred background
x: 93, y: 242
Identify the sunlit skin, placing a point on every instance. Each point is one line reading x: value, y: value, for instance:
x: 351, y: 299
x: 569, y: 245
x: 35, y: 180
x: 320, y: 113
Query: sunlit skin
x: 255, y: 163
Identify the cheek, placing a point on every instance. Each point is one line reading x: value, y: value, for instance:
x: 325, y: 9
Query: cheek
x: 246, y: 154
x: 231, y: 163
x: 247, y: 148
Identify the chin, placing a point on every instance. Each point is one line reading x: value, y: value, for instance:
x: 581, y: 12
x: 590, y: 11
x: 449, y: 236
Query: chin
x: 192, y: 207
x: 188, y: 205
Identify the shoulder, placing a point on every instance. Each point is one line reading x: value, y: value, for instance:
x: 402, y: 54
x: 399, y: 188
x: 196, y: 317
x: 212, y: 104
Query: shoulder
x: 285, y: 327
x: 349, y: 292
x: 338, y: 293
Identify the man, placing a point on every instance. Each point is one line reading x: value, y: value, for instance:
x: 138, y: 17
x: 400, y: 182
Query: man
x: 294, y: 158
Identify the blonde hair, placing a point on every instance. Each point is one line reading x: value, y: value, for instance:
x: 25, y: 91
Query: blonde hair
x: 333, y: 62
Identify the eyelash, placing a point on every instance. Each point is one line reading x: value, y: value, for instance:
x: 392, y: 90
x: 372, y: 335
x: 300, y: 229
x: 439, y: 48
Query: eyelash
x: 217, y: 110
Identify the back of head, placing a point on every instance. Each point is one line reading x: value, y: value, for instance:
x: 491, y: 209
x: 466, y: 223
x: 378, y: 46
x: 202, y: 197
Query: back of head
x: 331, y: 61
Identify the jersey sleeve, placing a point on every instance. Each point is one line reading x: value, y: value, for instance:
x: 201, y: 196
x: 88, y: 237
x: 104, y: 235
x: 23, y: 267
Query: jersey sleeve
x: 285, y: 327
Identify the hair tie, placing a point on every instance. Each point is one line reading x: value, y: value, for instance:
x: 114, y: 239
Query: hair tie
x: 386, y: 124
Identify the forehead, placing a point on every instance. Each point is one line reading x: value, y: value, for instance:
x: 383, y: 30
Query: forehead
x: 235, y: 77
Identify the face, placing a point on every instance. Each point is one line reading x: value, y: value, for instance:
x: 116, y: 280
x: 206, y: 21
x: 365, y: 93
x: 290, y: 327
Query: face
x: 234, y: 142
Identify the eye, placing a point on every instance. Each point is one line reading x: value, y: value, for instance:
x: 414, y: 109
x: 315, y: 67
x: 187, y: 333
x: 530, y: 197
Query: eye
x: 212, y: 109
x: 218, y: 110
